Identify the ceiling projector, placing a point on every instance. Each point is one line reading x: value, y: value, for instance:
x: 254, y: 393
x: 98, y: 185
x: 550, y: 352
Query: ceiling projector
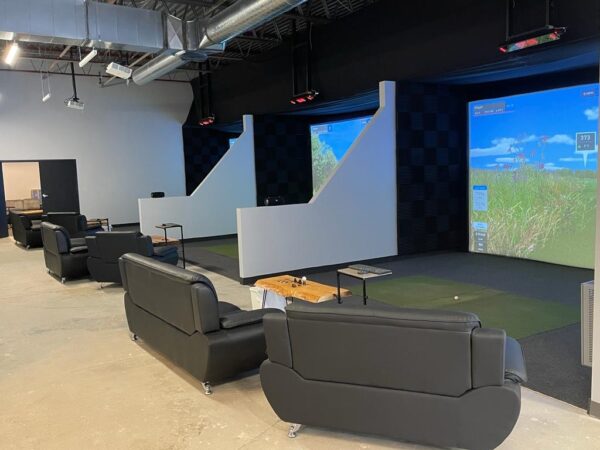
x: 74, y: 103
x: 117, y: 70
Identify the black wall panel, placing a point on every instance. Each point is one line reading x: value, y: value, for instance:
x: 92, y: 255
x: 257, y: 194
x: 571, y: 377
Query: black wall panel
x: 282, y: 158
x: 203, y: 148
x: 431, y: 168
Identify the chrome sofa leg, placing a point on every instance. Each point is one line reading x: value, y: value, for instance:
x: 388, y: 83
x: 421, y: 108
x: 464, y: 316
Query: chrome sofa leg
x: 294, y: 428
x: 133, y: 336
x: 63, y: 280
x: 207, y: 388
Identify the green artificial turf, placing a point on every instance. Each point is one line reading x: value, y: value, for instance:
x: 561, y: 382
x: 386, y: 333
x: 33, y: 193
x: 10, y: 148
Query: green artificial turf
x: 519, y: 316
x: 230, y: 250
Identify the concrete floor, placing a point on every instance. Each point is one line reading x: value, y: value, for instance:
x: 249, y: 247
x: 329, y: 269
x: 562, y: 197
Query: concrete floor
x: 70, y: 378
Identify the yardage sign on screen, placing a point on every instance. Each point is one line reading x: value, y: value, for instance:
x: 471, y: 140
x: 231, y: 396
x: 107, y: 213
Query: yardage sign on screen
x: 533, y: 162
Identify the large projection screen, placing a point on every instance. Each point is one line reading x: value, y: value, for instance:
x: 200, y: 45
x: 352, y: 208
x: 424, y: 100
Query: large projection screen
x: 532, y: 178
x: 329, y: 143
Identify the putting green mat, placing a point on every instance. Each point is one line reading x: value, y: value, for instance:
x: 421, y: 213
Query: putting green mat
x: 230, y: 250
x: 519, y: 316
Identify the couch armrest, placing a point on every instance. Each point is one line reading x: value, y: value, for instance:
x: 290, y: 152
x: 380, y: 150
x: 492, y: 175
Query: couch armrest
x: 241, y: 318
x: 78, y: 242
x: 278, y: 338
x: 487, y: 353
x: 77, y: 250
x: 514, y: 363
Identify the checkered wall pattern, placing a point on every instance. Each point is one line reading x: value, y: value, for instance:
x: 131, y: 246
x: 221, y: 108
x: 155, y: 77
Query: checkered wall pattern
x: 282, y: 158
x: 431, y: 168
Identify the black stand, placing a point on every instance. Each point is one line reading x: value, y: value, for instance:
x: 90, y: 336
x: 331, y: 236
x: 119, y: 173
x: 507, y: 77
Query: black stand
x: 165, y: 227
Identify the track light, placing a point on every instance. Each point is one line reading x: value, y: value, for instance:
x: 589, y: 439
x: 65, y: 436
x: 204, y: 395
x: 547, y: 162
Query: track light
x: 91, y: 55
x: 12, y: 54
x: 46, y: 93
x: 305, y: 97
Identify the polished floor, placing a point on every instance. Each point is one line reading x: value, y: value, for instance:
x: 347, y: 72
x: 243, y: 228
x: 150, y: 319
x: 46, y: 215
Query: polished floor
x: 70, y: 378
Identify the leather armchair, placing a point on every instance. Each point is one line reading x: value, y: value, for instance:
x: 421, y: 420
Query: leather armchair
x: 177, y: 312
x: 105, y: 249
x: 73, y: 222
x: 63, y: 258
x: 26, y: 229
x: 432, y: 377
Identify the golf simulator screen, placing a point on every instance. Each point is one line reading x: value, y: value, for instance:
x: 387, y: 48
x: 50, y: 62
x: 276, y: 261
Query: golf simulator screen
x: 532, y: 189
x: 329, y: 143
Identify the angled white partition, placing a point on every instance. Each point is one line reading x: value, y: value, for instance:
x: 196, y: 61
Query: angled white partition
x: 211, y: 209
x: 352, y: 217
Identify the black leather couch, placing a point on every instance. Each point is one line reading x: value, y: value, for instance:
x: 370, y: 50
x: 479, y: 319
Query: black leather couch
x: 26, y: 229
x: 177, y: 312
x: 433, y: 377
x: 73, y: 222
x: 65, y: 257
x: 105, y: 249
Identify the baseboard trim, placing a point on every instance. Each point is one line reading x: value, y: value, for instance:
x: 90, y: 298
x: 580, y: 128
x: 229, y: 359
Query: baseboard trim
x: 117, y: 225
x: 210, y: 238
x: 594, y: 409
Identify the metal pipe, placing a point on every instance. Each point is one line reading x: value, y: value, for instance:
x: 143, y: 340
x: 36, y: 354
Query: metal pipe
x: 243, y: 16
x: 158, y: 67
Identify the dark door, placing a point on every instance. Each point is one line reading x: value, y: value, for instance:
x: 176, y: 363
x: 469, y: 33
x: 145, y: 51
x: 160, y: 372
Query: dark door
x: 3, y: 221
x: 58, y: 179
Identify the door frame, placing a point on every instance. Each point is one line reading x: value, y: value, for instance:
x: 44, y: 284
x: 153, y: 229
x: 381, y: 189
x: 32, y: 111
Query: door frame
x: 3, y: 218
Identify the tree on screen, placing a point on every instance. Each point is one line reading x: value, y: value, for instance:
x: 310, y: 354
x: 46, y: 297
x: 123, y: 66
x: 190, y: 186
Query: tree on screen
x: 323, y: 161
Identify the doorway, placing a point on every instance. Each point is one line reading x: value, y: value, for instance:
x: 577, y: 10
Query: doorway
x: 37, y: 186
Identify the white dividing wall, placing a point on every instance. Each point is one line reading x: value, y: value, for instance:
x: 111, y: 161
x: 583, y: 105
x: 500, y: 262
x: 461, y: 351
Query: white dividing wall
x: 210, y: 210
x: 353, y: 217
x: 595, y: 397
x: 127, y: 142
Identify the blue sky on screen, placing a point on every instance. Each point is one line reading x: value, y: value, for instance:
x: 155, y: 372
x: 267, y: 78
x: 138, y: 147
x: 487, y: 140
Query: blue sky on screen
x: 341, y: 134
x: 538, y: 129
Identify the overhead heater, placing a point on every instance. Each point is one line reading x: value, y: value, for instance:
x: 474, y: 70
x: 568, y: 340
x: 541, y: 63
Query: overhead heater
x: 528, y: 24
x: 302, y: 89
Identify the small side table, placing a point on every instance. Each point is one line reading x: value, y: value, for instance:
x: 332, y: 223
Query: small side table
x: 165, y: 227
x: 364, y: 276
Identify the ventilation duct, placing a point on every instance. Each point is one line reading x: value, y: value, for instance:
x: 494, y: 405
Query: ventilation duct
x: 109, y: 26
x: 210, y: 36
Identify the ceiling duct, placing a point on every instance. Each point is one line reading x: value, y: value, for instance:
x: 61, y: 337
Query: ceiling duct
x: 209, y: 36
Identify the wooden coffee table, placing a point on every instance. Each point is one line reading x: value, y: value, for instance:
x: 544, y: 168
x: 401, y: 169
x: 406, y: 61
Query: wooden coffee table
x: 312, y: 291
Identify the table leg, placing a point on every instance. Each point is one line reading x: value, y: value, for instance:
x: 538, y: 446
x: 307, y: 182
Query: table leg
x: 165, y: 230
x: 182, y: 247
x: 364, y: 292
x: 339, y: 296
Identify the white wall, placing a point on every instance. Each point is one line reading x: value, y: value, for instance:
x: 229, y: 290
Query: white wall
x: 20, y: 179
x: 353, y: 217
x: 127, y: 142
x: 595, y: 397
x: 211, y: 209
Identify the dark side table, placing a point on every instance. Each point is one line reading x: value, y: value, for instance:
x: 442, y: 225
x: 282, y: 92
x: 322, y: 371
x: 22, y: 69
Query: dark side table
x: 165, y: 227
x: 360, y: 275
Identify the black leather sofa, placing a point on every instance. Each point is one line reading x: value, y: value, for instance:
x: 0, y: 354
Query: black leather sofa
x: 26, y: 229
x: 432, y: 377
x: 64, y: 257
x: 73, y: 222
x: 177, y: 312
x: 105, y: 249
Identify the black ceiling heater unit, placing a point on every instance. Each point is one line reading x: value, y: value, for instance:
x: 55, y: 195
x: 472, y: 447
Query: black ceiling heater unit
x: 203, y: 97
x: 302, y: 89
x: 529, y: 23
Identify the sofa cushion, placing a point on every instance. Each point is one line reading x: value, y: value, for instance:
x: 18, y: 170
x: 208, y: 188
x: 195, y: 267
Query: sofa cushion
x: 80, y: 249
